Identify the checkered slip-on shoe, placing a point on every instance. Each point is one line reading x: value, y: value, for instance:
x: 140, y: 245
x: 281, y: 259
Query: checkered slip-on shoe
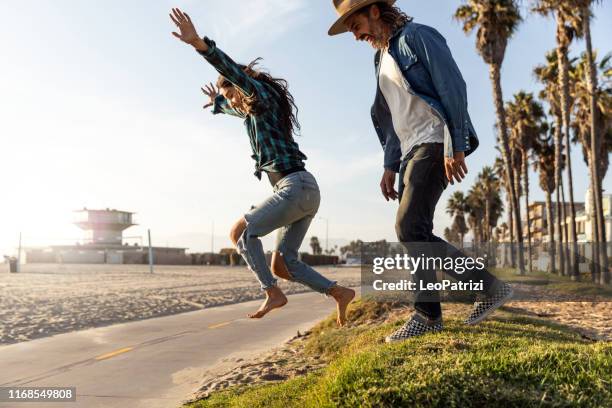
x: 415, y: 326
x: 484, y: 306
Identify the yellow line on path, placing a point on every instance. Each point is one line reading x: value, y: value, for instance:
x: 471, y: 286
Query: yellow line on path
x: 114, y: 353
x: 218, y: 325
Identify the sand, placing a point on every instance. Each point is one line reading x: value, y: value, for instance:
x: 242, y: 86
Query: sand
x: 47, y: 299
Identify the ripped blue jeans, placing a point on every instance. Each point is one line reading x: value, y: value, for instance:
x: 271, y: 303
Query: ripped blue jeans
x: 290, y: 209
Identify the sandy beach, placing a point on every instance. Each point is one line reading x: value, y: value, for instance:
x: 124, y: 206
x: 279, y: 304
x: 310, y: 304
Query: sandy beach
x: 47, y: 299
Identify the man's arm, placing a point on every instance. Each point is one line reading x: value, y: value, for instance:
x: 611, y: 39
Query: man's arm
x: 432, y: 50
x: 389, y: 142
x: 392, y: 151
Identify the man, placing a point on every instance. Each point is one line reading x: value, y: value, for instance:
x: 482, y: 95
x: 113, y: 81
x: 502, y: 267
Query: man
x: 421, y: 119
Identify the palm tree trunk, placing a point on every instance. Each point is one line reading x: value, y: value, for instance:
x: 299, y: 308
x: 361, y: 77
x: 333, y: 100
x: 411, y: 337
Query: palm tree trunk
x: 565, y: 113
x: 592, y: 85
x: 511, y: 228
x: 558, y: 184
x: 551, y: 230
x: 565, y: 232
x: 510, y: 223
x: 518, y: 178
x: 527, y: 217
x: 592, y: 216
x: 486, y: 230
x: 605, y: 278
x: 595, y: 270
x: 495, y: 75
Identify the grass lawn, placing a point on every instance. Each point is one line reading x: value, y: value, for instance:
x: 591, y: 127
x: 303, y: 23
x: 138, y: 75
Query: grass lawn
x: 510, y: 360
x: 562, y: 284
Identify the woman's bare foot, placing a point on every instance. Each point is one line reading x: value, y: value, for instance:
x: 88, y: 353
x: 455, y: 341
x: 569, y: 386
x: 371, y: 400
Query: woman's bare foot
x: 275, y: 298
x: 343, y: 297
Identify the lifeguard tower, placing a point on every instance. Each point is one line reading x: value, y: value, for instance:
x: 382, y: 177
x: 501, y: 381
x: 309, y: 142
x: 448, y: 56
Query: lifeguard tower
x: 103, y: 227
x: 103, y: 243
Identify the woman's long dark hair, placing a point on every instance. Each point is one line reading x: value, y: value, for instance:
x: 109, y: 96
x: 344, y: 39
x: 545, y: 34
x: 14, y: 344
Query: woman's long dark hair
x: 251, y: 105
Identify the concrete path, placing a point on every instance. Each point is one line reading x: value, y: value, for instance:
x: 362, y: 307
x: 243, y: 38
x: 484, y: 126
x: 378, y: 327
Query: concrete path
x: 152, y: 363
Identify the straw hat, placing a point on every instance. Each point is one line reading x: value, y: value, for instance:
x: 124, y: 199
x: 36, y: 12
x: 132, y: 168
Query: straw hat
x: 345, y: 8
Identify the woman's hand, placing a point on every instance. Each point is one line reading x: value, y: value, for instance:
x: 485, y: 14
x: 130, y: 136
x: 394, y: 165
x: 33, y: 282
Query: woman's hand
x: 188, y: 33
x: 211, y: 91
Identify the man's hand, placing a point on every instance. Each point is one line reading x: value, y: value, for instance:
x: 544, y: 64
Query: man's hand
x: 211, y: 91
x: 455, y: 167
x: 387, y: 185
x: 188, y: 33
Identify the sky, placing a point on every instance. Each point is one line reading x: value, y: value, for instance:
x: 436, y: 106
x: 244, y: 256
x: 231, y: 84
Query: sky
x: 101, y: 108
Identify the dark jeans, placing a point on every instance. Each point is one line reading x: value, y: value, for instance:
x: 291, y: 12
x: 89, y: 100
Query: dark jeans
x: 422, y: 181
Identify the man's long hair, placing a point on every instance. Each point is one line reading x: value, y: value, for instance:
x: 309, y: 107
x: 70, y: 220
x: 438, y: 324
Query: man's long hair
x: 392, y: 17
x: 252, y: 106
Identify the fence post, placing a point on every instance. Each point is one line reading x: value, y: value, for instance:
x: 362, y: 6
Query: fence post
x: 19, y: 255
x: 150, y: 252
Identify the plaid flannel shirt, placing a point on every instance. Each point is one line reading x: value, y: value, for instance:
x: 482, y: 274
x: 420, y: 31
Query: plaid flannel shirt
x: 272, y: 150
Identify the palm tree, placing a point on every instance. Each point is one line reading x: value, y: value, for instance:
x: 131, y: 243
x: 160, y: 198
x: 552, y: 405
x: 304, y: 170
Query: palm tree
x: 484, y: 203
x: 544, y: 150
x: 451, y: 235
x: 526, y: 121
x: 502, y: 174
x: 489, y: 185
x: 315, y: 246
x: 595, y: 138
x: 569, y: 26
x: 496, y: 209
x: 501, y: 231
x: 548, y: 75
x: 353, y: 248
x: 582, y: 126
x: 517, y: 165
x: 476, y: 204
x: 456, y: 208
x: 496, y: 20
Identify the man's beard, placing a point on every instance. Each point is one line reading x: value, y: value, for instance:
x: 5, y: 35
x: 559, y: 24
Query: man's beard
x: 380, y: 36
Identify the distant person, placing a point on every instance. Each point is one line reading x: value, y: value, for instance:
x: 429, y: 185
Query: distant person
x: 270, y: 118
x: 421, y: 118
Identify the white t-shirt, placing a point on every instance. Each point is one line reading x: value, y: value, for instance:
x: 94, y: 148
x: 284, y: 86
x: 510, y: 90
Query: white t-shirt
x: 414, y: 121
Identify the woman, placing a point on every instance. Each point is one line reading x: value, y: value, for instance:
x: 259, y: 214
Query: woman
x: 270, y: 117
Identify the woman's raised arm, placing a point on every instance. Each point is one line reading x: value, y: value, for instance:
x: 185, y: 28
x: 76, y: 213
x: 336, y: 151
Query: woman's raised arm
x: 207, y: 48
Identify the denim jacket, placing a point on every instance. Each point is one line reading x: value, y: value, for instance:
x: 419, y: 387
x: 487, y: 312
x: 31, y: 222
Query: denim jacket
x: 429, y: 68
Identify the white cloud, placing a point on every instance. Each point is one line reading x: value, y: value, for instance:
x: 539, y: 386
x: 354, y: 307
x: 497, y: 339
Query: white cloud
x: 256, y: 20
x: 337, y: 171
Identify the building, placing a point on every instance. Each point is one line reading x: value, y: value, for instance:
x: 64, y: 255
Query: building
x: 538, y: 217
x: 103, y: 227
x: 584, y: 220
x: 538, y: 220
x: 103, y: 243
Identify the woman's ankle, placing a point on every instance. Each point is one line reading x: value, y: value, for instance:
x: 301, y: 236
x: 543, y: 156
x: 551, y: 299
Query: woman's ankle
x: 274, y: 292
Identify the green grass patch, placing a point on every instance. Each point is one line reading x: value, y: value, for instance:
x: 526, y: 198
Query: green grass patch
x: 511, y: 274
x: 581, y: 288
x: 508, y: 361
x: 561, y: 284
